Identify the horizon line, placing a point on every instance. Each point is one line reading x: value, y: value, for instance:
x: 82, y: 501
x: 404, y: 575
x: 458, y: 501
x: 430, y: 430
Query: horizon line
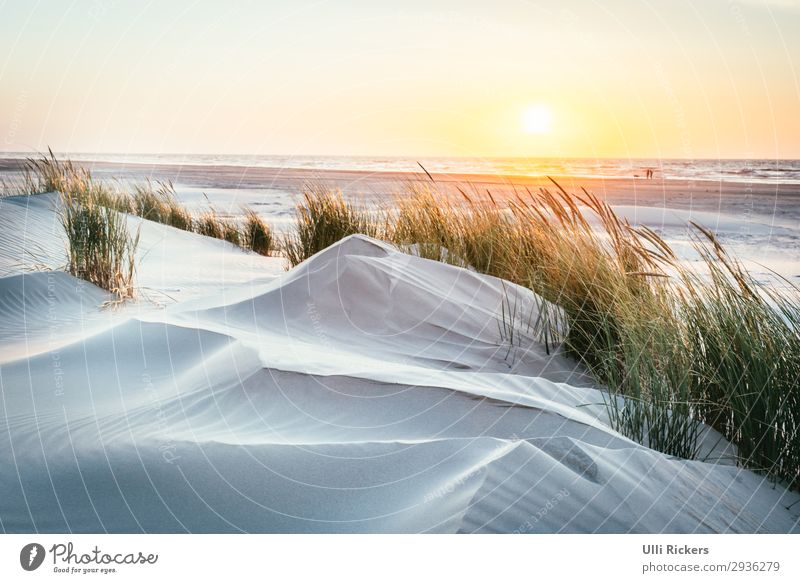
x: 412, y: 157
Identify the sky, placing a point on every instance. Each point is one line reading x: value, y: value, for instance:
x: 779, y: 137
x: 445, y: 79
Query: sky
x: 568, y: 78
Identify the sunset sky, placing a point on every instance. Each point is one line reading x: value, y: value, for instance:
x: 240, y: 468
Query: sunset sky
x: 648, y: 78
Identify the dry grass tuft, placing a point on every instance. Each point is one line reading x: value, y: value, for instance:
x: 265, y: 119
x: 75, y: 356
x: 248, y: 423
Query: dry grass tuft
x: 256, y: 234
x: 324, y: 217
x: 156, y: 201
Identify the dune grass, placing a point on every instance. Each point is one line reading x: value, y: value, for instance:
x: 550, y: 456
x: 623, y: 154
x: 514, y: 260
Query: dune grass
x: 156, y: 201
x: 256, y: 234
x: 210, y: 224
x: 461, y: 232
x: 745, y: 339
x: 46, y: 173
x: 676, y: 346
x: 100, y: 248
x: 323, y: 217
x: 152, y: 200
x: 682, y: 345
x: 606, y: 281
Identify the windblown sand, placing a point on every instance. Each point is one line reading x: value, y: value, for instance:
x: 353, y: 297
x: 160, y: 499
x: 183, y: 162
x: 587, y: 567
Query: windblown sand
x: 365, y: 390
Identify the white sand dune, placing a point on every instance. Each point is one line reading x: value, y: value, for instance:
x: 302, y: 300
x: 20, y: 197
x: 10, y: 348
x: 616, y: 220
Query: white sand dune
x: 365, y: 390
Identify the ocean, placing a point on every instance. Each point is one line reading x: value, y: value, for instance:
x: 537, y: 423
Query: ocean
x: 756, y: 171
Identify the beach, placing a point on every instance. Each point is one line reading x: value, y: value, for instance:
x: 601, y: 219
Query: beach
x: 364, y: 390
x: 778, y: 200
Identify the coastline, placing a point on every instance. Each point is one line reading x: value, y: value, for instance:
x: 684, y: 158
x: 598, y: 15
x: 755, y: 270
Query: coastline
x: 696, y: 194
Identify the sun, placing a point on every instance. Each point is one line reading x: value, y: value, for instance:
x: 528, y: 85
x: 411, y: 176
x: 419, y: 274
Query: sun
x: 537, y: 119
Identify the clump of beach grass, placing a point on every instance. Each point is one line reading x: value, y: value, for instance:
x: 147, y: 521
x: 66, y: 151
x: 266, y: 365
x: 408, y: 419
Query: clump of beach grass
x: 467, y: 231
x: 680, y: 345
x: 322, y: 218
x: 46, y: 173
x: 231, y: 232
x: 210, y: 224
x: 156, y: 201
x: 100, y: 248
x: 256, y: 233
x: 621, y: 323
x: 745, y: 342
x: 113, y: 196
x: 427, y: 224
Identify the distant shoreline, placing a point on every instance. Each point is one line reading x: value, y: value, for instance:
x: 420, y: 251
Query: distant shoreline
x: 781, y: 200
x: 750, y: 173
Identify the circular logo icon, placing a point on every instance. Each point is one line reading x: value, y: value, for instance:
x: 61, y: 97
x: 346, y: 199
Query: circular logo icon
x: 31, y: 556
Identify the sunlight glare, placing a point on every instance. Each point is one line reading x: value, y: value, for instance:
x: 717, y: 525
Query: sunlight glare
x: 537, y: 119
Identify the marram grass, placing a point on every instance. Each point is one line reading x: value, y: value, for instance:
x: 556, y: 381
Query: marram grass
x: 156, y: 201
x: 322, y: 218
x: 210, y: 224
x: 256, y: 234
x: 100, y: 248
